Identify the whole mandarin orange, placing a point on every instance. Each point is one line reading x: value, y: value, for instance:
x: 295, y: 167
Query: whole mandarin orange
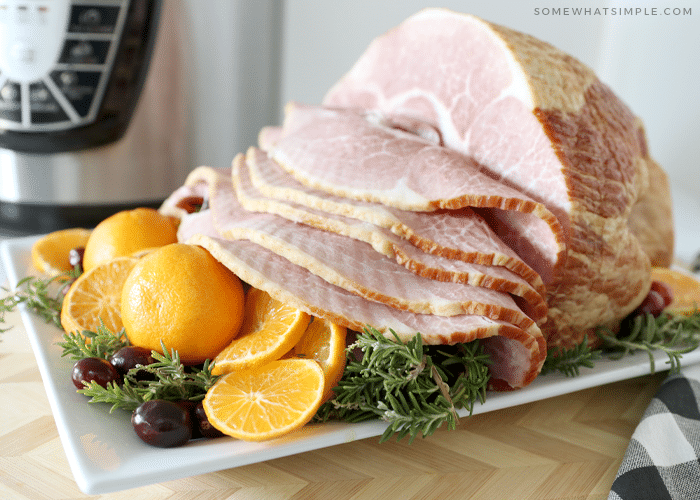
x: 126, y: 232
x: 183, y: 297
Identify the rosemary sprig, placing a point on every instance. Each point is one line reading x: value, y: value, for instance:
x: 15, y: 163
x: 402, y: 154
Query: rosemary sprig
x: 42, y: 296
x: 673, y: 334
x: 414, y: 388
x: 172, y: 381
x: 86, y: 344
x: 570, y: 361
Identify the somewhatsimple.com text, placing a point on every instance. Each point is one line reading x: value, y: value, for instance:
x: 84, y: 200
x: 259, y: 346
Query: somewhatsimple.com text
x: 613, y: 11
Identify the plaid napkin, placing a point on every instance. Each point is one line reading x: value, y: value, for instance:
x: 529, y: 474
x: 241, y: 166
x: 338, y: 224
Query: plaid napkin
x: 661, y: 461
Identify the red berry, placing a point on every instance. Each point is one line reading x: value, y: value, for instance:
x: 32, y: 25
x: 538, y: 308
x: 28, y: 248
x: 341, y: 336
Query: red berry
x: 162, y: 423
x: 205, y: 428
x: 653, y: 304
x: 664, y: 290
x: 130, y: 357
x: 93, y: 369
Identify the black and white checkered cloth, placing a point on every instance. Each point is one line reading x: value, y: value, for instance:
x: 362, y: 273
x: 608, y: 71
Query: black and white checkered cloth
x: 661, y: 462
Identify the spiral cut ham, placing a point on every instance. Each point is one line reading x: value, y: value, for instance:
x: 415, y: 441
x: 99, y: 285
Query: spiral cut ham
x: 342, y: 152
x: 479, y: 258
x: 544, y: 124
x: 463, y: 181
x: 520, y: 351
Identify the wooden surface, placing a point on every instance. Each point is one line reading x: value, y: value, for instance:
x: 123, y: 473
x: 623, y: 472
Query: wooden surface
x: 568, y: 447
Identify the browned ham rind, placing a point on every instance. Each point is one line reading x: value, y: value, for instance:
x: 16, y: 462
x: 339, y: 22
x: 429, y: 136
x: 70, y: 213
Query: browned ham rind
x: 541, y: 121
x: 651, y: 219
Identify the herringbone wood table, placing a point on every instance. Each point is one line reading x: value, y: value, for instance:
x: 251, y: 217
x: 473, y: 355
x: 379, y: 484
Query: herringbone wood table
x: 568, y: 447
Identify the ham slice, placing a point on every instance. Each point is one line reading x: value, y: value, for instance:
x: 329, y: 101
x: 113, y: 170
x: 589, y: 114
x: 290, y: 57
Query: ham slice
x: 454, y: 234
x: 541, y: 122
x: 517, y: 355
x: 341, y: 152
x: 352, y: 264
x: 464, y: 228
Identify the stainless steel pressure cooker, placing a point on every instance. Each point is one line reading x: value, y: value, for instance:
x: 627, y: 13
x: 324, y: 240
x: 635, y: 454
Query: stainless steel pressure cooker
x: 92, y: 110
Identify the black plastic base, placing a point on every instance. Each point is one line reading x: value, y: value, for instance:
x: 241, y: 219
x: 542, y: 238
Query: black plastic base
x: 29, y: 218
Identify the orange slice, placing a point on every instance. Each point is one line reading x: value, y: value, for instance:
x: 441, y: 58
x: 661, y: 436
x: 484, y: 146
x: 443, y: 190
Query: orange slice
x: 324, y: 342
x: 686, y: 289
x: 270, y: 329
x: 50, y: 253
x: 95, y: 295
x: 266, y: 402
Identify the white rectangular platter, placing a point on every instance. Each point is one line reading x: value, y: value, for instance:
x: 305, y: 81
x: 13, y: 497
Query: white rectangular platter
x: 105, y: 454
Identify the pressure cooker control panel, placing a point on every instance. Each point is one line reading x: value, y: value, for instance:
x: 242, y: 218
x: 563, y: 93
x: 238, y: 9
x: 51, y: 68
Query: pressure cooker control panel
x: 67, y: 64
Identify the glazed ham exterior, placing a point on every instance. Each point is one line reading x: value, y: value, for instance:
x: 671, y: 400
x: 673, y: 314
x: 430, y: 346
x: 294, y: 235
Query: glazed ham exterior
x: 542, y: 123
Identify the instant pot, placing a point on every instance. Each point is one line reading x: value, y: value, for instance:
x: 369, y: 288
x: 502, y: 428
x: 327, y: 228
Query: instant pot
x: 92, y: 110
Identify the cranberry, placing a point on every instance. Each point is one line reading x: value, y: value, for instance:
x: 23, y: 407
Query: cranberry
x: 189, y: 407
x: 93, y: 369
x: 653, y: 304
x: 205, y: 428
x: 129, y: 357
x: 664, y: 290
x: 162, y: 423
x: 191, y: 204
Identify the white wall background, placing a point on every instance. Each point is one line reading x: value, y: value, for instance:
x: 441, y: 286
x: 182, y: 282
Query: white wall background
x: 231, y: 48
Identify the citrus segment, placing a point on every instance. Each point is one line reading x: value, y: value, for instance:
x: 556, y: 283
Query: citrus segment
x: 182, y: 296
x: 95, y: 296
x: 324, y: 342
x: 270, y: 329
x: 127, y: 232
x: 50, y: 253
x: 686, y: 289
x: 266, y: 402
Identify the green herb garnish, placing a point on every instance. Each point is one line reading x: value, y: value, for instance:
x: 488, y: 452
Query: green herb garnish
x: 42, y: 296
x: 412, y: 387
x: 570, y: 361
x: 86, y: 344
x: 172, y: 381
x: 673, y: 334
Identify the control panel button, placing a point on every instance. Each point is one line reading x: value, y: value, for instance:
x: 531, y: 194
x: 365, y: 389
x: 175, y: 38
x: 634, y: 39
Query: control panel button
x: 79, y: 87
x: 84, y: 52
x: 11, y: 102
x: 43, y: 106
x: 93, y: 19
